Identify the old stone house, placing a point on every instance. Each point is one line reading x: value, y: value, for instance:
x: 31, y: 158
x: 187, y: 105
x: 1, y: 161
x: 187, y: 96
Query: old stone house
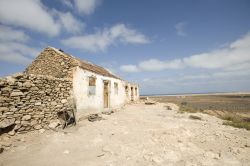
x: 56, y: 81
x: 94, y: 88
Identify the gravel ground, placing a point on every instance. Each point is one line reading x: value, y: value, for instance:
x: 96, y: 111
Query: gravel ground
x: 138, y: 134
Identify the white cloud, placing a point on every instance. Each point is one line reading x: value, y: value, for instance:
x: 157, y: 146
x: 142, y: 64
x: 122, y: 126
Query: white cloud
x: 157, y: 65
x: 67, y: 3
x: 194, y: 77
x: 230, y: 74
x: 129, y: 68
x: 101, y: 40
x: 13, y: 48
x: 17, y: 53
x: 69, y: 22
x: 86, y: 6
x: 236, y: 56
x: 196, y: 81
x: 9, y: 34
x: 179, y: 27
x: 29, y: 14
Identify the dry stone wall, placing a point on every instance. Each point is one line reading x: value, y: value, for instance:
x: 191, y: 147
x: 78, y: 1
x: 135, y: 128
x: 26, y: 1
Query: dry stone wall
x: 52, y: 62
x: 31, y: 102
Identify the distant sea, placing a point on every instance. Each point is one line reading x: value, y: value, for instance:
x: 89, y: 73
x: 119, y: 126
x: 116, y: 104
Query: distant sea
x: 193, y: 94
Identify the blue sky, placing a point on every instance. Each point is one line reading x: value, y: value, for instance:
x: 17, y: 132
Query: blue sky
x: 167, y: 46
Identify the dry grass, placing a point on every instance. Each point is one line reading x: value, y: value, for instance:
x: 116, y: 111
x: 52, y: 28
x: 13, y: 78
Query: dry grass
x: 187, y: 109
x: 236, y: 121
x: 234, y: 109
x: 237, y: 124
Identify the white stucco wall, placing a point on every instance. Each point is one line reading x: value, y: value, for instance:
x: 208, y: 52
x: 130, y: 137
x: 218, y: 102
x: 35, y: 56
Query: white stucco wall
x: 86, y: 103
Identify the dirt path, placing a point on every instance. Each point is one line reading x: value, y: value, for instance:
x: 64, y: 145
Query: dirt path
x: 137, y: 135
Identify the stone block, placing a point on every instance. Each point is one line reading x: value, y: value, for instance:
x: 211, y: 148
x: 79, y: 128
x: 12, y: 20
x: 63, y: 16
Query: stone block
x: 7, y: 122
x: 17, y: 93
x: 37, y: 127
x: 4, y: 109
x: 26, y: 117
x: 38, y: 103
x: 63, y: 101
x: 27, y: 84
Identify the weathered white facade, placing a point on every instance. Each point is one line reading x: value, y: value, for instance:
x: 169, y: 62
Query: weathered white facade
x: 94, y: 88
x: 90, y: 101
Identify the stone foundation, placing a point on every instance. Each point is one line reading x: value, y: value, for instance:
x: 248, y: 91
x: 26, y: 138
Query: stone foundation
x: 31, y: 102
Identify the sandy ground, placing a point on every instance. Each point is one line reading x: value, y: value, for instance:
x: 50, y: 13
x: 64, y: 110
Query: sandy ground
x: 137, y: 135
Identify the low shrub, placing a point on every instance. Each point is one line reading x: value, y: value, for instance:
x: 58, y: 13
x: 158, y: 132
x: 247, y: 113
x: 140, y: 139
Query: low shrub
x: 238, y: 124
x: 195, y: 117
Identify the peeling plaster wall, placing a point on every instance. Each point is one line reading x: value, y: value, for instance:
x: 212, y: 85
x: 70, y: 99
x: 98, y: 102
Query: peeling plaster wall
x: 86, y: 103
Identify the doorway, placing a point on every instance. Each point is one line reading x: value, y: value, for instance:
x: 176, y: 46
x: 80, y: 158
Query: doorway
x: 106, y: 93
x: 132, y: 94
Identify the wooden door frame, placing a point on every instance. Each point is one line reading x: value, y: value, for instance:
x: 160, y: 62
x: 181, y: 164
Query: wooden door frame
x: 108, y: 86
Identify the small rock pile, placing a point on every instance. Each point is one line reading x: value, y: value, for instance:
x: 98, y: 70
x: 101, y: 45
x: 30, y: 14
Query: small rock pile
x: 31, y: 102
x: 94, y: 117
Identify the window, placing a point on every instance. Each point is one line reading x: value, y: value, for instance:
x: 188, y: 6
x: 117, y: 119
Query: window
x: 116, y: 88
x: 92, y: 85
x: 135, y: 91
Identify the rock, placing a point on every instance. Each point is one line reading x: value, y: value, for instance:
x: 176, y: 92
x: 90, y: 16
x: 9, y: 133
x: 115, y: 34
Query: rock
x: 42, y: 131
x: 13, y: 109
x: 7, y: 122
x: 59, y: 106
x: 63, y: 101
x: 27, y: 84
x: 9, y: 113
x: 34, y: 88
x: 94, y: 117
x: 6, y: 89
x: 17, y: 93
x: 150, y: 102
x: 6, y: 143
x: 4, y: 109
x: 38, y: 103
x: 25, y: 123
x: 18, y: 126
x: 11, y: 133
x: 33, y: 122
x: 17, y: 122
x: 1, y: 149
x: 21, y: 128
x: 37, y: 127
x: 54, y: 124
x: 53, y: 103
x: 26, y: 117
x: 18, y: 75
